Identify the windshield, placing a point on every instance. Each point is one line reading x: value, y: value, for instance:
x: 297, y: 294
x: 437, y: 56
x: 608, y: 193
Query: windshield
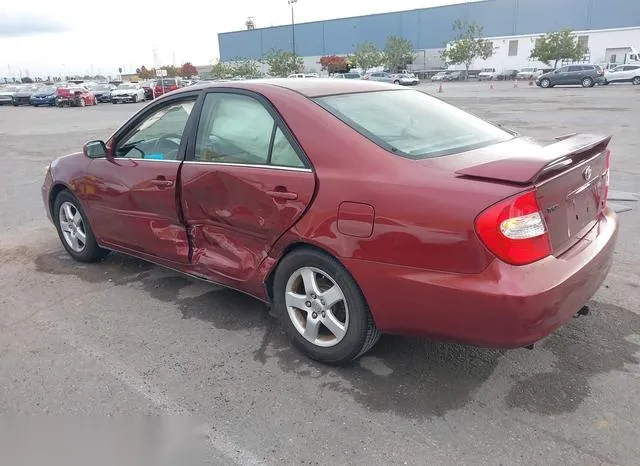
x: 412, y: 124
x: 526, y: 69
x: 101, y: 87
x: 126, y: 86
x: 46, y: 90
x: 9, y: 89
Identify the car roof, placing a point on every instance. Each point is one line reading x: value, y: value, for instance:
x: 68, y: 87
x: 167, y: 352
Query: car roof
x: 308, y: 87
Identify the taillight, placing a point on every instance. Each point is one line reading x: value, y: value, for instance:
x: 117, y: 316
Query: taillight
x: 514, y: 230
x: 607, y: 176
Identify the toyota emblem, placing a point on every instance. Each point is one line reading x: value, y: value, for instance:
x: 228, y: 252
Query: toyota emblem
x: 587, y: 173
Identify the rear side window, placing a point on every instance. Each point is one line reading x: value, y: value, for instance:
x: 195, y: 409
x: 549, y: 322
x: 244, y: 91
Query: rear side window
x: 411, y: 123
x: 575, y: 68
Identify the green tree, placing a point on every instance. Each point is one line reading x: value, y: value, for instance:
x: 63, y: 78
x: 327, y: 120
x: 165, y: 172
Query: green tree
x: 221, y: 70
x: 367, y: 55
x: 283, y: 63
x: 467, y: 45
x: 398, y: 53
x: 556, y: 46
x: 247, y: 68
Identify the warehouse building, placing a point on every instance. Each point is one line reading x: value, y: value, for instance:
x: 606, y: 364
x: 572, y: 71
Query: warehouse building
x: 608, y: 27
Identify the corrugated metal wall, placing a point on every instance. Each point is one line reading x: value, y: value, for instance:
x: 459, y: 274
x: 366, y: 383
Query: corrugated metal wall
x: 431, y: 27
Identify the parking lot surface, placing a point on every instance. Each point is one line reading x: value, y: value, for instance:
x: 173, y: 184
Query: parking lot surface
x: 126, y: 337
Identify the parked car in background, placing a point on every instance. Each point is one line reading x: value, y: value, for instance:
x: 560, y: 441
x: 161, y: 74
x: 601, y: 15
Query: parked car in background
x: 349, y: 75
x: 149, y: 89
x: 407, y: 79
x: 441, y: 76
x: 499, y: 242
x: 507, y: 75
x: 487, y: 74
x: 23, y: 94
x: 127, y: 92
x: 165, y: 85
x: 7, y: 93
x: 381, y: 76
x: 455, y: 76
x: 44, y: 96
x: 623, y: 74
x: 103, y: 92
x: 529, y: 73
x: 75, y: 96
x: 571, y: 75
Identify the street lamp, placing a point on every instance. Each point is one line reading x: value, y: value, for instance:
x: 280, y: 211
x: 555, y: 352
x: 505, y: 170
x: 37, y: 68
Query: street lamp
x: 293, y: 28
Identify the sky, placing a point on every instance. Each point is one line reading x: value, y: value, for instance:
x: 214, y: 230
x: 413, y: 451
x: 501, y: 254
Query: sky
x: 45, y: 38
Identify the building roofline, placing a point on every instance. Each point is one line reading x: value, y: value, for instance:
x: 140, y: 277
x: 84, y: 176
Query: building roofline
x: 461, y: 4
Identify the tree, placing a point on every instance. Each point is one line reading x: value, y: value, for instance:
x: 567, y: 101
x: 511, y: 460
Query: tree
x: 120, y: 70
x: 187, y: 70
x: 222, y: 70
x: 26, y: 80
x: 335, y: 64
x: 398, y: 53
x: 467, y: 45
x: 144, y: 73
x: 556, y: 46
x: 242, y: 67
x: 367, y: 55
x: 283, y: 63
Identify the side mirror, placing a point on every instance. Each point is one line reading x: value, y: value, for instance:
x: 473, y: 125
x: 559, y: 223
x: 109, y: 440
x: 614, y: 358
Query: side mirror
x: 95, y: 149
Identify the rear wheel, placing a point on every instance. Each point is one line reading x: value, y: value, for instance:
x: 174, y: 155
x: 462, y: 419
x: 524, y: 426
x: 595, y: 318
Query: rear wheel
x: 82, y: 102
x: 396, y: 82
x: 74, y: 230
x: 636, y: 81
x: 322, y: 308
x: 588, y: 82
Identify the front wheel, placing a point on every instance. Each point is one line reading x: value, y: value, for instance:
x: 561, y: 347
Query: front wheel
x: 82, y: 102
x: 322, y: 308
x: 545, y: 83
x: 588, y: 82
x: 74, y: 230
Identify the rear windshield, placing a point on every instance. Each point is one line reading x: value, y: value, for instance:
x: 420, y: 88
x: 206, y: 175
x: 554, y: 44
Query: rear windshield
x: 166, y: 82
x: 412, y: 124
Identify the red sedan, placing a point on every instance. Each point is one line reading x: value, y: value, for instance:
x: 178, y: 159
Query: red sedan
x: 353, y: 208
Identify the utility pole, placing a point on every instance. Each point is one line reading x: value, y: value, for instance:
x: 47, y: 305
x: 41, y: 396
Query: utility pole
x: 293, y: 28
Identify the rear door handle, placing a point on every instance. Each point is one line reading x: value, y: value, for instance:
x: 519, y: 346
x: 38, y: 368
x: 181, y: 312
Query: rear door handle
x: 283, y: 195
x: 162, y: 183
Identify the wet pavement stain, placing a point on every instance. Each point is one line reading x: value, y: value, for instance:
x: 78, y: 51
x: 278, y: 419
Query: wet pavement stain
x: 421, y: 379
x: 588, y: 346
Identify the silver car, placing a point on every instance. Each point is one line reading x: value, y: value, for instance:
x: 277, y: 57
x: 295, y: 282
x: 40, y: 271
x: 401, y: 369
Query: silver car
x: 383, y: 77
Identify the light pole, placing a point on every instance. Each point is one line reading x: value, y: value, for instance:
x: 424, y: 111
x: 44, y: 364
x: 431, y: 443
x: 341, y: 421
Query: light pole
x: 293, y: 28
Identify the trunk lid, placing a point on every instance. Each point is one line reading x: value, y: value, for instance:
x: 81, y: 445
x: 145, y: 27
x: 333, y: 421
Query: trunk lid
x: 571, y: 180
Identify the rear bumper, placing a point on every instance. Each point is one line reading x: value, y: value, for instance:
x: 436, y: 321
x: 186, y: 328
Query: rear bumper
x: 504, y: 306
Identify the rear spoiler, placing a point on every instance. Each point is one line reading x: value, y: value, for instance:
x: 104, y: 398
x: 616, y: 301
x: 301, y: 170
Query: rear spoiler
x: 538, y: 163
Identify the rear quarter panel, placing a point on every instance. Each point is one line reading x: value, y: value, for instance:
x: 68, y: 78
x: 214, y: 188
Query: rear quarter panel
x: 424, y: 216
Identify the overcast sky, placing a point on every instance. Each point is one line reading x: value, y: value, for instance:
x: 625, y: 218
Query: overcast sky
x: 41, y: 37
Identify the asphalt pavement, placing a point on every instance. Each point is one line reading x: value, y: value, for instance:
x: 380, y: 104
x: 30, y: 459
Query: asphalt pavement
x: 123, y: 339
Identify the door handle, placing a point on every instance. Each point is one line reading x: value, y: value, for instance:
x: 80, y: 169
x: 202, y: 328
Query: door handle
x: 162, y: 183
x: 283, y: 195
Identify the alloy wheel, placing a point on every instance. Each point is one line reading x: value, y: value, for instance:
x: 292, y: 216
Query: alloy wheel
x: 72, y: 226
x: 317, y: 306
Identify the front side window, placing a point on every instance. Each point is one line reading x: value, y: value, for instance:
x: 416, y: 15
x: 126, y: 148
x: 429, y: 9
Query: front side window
x: 412, y: 124
x: 159, y: 135
x: 236, y: 128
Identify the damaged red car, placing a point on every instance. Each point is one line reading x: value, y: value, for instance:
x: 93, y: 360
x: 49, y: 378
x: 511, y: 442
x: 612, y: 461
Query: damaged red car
x: 353, y: 208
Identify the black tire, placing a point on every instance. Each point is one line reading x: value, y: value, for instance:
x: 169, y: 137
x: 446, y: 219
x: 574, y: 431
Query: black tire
x: 361, y: 333
x: 135, y: 99
x: 396, y: 82
x: 588, y: 82
x: 91, y: 252
x: 545, y: 83
x: 636, y: 81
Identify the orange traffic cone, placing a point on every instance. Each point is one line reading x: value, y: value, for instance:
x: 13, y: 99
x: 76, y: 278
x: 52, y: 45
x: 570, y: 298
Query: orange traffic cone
x: 440, y: 89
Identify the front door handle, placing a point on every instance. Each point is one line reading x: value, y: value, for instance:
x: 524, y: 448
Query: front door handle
x: 162, y: 182
x: 283, y: 195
